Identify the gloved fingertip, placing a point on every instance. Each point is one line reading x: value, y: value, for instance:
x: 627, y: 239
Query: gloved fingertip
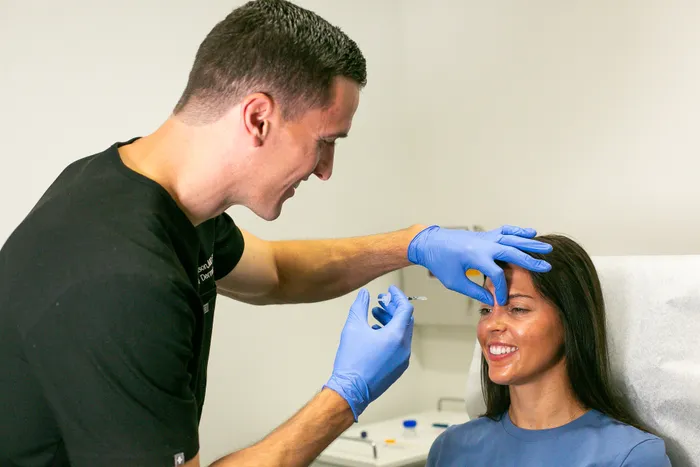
x: 398, y: 293
x: 526, y: 232
x: 538, y: 265
x: 501, y: 298
x: 360, y: 305
x: 546, y: 248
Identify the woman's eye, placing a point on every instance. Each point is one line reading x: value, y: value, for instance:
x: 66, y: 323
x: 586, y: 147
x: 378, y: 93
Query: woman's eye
x: 484, y: 311
x: 519, y: 310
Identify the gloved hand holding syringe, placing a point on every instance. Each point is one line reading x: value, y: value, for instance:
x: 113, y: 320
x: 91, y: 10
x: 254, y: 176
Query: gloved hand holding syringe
x: 384, y: 299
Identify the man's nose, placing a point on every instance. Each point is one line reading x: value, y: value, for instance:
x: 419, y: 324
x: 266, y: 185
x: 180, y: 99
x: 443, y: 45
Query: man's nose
x: 324, y: 169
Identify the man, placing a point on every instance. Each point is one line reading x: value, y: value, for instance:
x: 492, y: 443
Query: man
x: 108, y: 287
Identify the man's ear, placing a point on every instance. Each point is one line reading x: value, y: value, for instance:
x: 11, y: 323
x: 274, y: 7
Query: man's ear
x: 256, y: 112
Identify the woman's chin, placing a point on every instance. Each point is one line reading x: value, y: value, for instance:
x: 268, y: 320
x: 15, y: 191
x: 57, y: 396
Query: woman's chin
x: 500, y: 379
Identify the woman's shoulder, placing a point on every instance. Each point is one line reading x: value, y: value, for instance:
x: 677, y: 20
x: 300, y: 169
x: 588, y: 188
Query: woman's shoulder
x: 611, y: 427
x: 638, y: 444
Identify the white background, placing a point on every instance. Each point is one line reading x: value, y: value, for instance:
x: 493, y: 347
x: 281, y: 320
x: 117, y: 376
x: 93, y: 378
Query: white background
x: 571, y: 117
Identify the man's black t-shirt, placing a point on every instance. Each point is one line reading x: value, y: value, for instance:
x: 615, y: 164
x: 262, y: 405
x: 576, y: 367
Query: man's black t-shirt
x: 107, y: 295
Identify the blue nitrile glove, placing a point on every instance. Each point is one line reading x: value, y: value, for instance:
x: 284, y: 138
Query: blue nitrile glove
x: 386, y: 309
x: 449, y: 253
x: 370, y: 359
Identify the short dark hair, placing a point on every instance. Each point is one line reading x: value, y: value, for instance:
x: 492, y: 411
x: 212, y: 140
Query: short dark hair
x: 273, y: 47
x: 572, y: 286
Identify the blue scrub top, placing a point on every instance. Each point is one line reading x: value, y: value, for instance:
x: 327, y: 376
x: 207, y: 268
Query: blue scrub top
x: 593, y: 439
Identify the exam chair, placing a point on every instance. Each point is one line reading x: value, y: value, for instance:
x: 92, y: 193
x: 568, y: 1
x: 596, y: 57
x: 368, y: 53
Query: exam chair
x: 653, y: 324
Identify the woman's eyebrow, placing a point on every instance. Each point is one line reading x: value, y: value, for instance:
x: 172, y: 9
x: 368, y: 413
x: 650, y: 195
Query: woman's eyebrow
x: 515, y: 295
x: 519, y: 295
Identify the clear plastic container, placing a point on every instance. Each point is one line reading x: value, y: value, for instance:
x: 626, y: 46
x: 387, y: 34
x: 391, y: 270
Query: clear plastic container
x: 409, y: 429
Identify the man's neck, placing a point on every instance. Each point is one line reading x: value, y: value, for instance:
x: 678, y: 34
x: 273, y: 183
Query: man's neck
x: 176, y: 157
x: 547, y: 402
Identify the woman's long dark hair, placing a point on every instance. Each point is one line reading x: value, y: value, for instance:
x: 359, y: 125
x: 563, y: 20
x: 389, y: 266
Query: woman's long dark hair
x: 573, y: 287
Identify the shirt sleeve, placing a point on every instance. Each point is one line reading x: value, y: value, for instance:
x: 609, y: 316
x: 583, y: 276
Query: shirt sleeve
x: 112, y: 358
x: 648, y: 453
x: 228, y: 246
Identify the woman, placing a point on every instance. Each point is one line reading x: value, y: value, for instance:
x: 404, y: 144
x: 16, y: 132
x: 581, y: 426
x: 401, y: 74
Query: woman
x: 546, y: 378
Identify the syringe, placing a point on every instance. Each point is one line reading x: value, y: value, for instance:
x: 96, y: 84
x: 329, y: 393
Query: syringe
x: 386, y: 298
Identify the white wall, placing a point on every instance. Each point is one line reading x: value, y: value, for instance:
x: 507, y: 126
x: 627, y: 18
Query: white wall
x: 576, y: 117
x: 572, y: 117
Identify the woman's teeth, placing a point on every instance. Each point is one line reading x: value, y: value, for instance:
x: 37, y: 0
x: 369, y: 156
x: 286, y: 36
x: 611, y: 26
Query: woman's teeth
x: 501, y: 349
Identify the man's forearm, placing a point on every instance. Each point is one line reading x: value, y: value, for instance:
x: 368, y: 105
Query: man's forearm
x: 317, y: 270
x: 301, y: 439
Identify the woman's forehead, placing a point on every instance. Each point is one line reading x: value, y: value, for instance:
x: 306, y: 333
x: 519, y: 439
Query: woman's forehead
x: 517, y: 279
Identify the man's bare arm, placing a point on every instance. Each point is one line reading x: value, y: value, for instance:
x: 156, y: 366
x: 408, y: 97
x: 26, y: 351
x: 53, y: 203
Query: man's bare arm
x: 305, y: 271
x: 298, y: 441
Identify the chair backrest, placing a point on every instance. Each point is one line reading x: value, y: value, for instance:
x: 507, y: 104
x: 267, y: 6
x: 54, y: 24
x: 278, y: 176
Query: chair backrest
x: 653, y: 324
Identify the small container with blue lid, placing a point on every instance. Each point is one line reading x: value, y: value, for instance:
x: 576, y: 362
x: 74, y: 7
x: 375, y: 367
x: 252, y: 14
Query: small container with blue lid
x: 409, y: 428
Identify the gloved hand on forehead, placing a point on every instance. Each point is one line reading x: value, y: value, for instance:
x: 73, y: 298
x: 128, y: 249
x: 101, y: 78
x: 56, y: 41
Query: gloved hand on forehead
x: 449, y: 253
x: 370, y: 359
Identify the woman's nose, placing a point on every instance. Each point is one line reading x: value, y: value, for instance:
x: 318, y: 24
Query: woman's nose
x: 495, y: 321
